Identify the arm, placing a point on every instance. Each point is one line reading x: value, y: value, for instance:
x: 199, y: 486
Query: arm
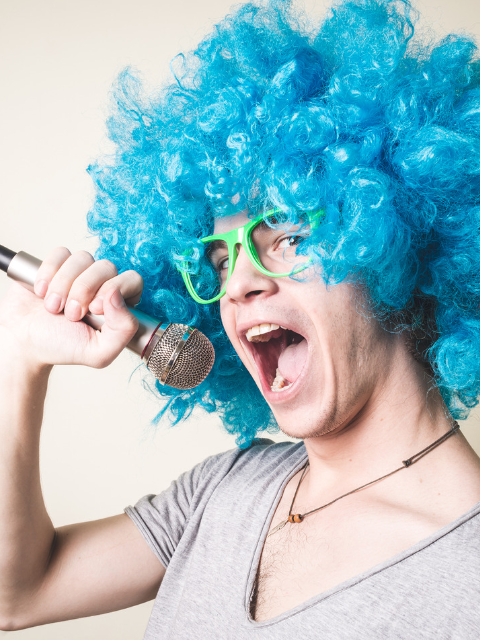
x: 83, y: 569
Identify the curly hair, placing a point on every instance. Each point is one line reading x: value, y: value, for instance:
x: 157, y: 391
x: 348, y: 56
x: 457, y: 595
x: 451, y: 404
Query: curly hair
x: 356, y: 116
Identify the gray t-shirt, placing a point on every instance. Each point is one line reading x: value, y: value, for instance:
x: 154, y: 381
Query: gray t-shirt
x: 208, y: 529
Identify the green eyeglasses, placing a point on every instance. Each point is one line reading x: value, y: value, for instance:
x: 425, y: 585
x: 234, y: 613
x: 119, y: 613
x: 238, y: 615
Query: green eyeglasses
x: 272, y: 250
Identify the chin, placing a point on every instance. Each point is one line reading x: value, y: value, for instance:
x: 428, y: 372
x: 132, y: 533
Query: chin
x: 303, y: 422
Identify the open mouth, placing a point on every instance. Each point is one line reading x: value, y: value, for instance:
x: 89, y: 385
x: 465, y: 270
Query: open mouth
x: 279, y: 353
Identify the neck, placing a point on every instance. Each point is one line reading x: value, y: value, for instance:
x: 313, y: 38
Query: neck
x: 401, y: 417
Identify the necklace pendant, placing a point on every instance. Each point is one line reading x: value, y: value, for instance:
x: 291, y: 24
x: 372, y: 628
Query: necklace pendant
x: 277, y: 528
x: 292, y: 518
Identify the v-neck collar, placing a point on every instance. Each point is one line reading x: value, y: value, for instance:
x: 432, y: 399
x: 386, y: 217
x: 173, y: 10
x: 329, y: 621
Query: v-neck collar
x: 346, y: 584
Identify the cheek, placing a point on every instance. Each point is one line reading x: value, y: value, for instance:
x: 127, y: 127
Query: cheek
x: 352, y: 342
x: 338, y: 332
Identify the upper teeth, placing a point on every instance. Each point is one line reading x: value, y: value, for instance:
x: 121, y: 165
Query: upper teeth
x: 254, y: 333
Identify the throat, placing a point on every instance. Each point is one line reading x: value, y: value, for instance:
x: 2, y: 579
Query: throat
x: 280, y: 357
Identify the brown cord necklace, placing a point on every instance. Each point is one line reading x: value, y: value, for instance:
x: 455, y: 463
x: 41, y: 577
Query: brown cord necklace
x: 298, y: 517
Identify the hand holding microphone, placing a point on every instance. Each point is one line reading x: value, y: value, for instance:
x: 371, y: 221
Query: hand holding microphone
x: 178, y: 355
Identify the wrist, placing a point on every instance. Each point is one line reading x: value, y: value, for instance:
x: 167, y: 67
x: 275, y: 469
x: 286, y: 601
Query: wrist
x: 15, y: 362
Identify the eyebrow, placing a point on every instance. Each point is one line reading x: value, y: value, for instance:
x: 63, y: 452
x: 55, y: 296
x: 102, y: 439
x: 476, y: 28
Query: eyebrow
x: 214, y: 246
x: 264, y: 226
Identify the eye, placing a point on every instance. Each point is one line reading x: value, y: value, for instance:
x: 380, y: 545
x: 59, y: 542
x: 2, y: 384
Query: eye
x: 287, y: 242
x: 217, y: 255
x: 219, y: 263
x: 222, y: 264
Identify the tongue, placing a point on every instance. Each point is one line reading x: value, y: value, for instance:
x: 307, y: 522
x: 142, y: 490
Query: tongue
x: 292, y: 360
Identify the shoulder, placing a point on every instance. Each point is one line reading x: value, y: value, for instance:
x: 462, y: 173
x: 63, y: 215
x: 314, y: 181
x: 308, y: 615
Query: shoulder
x: 454, y: 551
x: 463, y: 534
x: 263, y: 457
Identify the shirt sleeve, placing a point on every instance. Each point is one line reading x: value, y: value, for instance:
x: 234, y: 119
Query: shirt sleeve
x: 162, y: 518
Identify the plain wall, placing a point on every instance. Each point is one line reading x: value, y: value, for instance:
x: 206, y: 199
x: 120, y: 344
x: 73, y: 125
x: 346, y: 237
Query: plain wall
x: 57, y: 62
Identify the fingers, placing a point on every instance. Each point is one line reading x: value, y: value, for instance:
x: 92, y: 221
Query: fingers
x: 130, y: 285
x: 49, y: 268
x: 119, y: 328
x: 61, y: 270
x: 75, y: 283
x: 85, y: 287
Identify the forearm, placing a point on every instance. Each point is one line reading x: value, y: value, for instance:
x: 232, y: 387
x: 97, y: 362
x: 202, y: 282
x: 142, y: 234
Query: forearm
x: 36, y: 576
x: 26, y: 531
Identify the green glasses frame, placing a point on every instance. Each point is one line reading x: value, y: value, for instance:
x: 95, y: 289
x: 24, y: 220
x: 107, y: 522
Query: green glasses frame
x: 243, y: 236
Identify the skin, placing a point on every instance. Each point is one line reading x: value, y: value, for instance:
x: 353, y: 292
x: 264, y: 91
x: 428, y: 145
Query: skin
x: 83, y: 569
x: 361, y: 405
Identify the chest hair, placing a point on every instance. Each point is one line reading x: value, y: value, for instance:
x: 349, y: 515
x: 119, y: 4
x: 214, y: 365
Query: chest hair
x: 278, y: 570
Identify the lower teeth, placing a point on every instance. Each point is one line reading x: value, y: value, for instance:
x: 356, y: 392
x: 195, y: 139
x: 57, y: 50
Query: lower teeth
x: 279, y: 383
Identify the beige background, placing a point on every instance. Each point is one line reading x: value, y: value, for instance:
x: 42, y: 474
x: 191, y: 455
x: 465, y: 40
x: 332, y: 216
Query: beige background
x: 57, y: 61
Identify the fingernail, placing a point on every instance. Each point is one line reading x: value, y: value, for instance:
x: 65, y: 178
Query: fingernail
x: 73, y: 310
x: 41, y: 288
x: 53, y: 303
x: 117, y: 300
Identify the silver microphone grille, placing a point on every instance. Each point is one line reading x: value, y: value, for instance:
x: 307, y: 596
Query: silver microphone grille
x: 182, y: 358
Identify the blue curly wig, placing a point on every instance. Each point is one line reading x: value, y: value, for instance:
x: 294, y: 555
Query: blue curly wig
x: 356, y: 117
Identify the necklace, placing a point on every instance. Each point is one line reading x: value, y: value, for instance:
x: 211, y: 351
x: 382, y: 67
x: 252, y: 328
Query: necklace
x: 298, y: 517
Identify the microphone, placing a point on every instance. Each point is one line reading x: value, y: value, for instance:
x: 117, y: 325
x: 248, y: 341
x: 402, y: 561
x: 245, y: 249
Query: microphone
x: 178, y: 355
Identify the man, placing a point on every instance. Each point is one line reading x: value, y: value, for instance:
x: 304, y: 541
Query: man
x: 336, y: 165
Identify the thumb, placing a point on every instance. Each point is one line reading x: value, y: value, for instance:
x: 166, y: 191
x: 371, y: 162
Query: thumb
x: 119, y: 328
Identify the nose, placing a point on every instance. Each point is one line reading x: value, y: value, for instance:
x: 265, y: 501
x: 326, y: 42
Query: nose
x: 246, y: 281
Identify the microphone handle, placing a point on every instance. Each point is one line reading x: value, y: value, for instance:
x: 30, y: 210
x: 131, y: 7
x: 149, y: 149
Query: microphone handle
x: 23, y: 268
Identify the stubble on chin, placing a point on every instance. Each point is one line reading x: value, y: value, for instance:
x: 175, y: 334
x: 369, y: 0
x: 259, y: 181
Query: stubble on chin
x: 311, y: 426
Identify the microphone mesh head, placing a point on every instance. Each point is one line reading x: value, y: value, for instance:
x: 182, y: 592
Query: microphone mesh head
x: 193, y: 363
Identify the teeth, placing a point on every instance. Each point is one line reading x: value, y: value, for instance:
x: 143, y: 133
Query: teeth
x: 279, y: 383
x: 259, y: 333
